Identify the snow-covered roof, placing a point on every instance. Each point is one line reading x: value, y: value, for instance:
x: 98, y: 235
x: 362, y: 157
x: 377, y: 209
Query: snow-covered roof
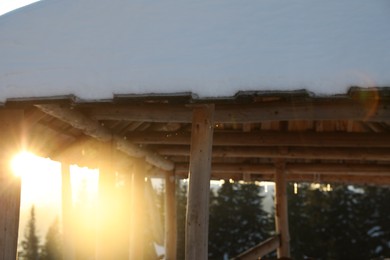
x: 96, y: 48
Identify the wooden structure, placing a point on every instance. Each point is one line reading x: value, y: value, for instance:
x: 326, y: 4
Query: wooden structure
x: 253, y: 136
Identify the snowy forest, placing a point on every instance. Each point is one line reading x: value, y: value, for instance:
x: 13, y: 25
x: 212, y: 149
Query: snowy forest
x: 326, y: 222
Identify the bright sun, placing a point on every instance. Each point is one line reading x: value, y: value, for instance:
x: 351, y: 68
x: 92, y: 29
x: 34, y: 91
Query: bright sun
x: 41, y: 178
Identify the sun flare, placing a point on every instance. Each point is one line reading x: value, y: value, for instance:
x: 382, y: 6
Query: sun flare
x: 41, y: 178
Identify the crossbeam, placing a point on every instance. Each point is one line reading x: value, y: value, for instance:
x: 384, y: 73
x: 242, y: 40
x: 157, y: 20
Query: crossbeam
x: 261, y: 249
x: 311, y: 153
x: 269, y: 139
x: 92, y: 128
x: 315, y: 109
x: 352, y: 169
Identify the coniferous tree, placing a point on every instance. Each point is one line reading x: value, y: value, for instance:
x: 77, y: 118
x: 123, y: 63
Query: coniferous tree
x: 30, y: 243
x: 237, y: 220
x: 52, y: 249
x: 349, y: 222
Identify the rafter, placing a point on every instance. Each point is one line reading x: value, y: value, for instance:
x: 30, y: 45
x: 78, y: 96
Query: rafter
x: 268, y: 138
x: 314, y: 109
x: 94, y: 129
x: 355, y: 169
x: 324, y: 153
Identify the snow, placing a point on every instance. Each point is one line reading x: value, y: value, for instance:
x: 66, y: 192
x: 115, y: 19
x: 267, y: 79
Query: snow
x: 96, y: 48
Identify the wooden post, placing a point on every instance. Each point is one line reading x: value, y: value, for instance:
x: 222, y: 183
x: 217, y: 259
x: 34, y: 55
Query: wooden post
x: 67, y: 220
x: 281, y: 210
x: 197, y: 216
x: 10, y: 186
x: 9, y: 216
x: 105, y: 242
x: 170, y: 216
x: 137, y: 223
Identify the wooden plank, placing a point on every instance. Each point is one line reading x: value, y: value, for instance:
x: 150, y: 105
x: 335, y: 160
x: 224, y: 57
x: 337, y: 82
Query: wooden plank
x: 353, y: 169
x: 340, y: 169
x: 108, y: 241
x: 10, y: 188
x: 281, y: 210
x: 152, y: 209
x: 314, y: 109
x: 322, y: 153
x: 94, y: 129
x: 137, y: 220
x: 270, y: 139
x: 314, y: 178
x: 170, y: 217
x: 311, y: 178
x: 67, y: 226
x: 199, y: 183
x: 11, y: 142
x: 260, y: 250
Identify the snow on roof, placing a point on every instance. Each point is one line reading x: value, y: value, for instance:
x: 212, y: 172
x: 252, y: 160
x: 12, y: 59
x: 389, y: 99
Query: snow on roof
x: 96, y: 48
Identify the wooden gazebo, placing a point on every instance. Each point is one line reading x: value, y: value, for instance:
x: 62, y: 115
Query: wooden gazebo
x: 261, y: 91
x: 253, y: 136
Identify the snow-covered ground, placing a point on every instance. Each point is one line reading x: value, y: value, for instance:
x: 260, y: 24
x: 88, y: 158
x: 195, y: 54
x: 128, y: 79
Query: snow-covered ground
x: 97, y: 48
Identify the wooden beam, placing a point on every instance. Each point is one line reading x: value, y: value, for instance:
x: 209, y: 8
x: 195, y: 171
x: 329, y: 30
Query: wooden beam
x: 340, y: 169
x: 11, y: 142
x: 312, y: 153
x: 113, y: 210
x: 354, y: 169
x: 260, y: 250
x: 314, y: 109
x: 170, y: 216
x: 94, y: 129
x: 199, y: 183
x: 155, y: 217
x: 281, y: 210
x: 10, y: 188
x: 311, y: 178
x: 137, y: 222
x: 269, y: 139
x: 67, y: 225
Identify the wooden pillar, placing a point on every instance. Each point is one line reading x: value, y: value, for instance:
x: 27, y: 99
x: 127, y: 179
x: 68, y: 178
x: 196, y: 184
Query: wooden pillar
x: 10, y: 186
x: 9, y: 216
x: 197, y: 216
x: 170, y: 217
x: 105, y: 242
x: 67, y: 220
x: 137, y: 223
x: 281, y: 210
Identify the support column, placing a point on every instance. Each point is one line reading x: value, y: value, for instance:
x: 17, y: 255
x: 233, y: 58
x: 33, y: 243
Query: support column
x: 170, y: 216
x: 137, y: 223
x: 10, y: 186
x: 281, y: 210
x: 9, y: 217
x: 106, y: 226
x: 197, y: 216
x: 67, y: 220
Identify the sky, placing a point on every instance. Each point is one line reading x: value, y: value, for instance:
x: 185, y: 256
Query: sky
x: 9, y: 5
x: 210, y: 48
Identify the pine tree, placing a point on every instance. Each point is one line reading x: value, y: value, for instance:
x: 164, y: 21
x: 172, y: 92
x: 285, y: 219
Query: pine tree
x: 52, y: 249
x: 237, y: 220
x: 30, y: 243
x: 349, y: 222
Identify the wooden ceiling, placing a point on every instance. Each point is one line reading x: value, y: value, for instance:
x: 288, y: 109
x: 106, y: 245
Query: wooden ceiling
x: 342, y: 138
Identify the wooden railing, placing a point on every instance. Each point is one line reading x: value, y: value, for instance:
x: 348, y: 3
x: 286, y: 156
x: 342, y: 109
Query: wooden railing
x: 260, y: 250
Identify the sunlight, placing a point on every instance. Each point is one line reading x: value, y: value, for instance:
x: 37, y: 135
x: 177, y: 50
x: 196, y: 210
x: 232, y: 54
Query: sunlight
x: 41, y: 178
x: 85, y: 183
x: 21, y: 163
